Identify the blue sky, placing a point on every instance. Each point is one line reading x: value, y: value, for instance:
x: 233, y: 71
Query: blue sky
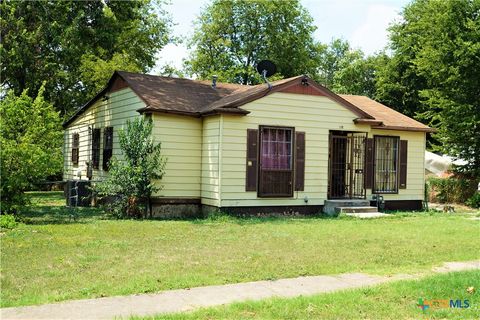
x: 363, y: 23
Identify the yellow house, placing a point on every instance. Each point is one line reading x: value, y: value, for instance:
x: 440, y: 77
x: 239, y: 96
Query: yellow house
x: 288, y: 146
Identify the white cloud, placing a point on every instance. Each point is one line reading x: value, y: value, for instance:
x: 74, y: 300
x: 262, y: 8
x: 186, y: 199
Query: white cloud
x: 372, y: 35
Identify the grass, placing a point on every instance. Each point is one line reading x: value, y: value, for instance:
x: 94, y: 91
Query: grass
x: 54, y: 256
x: 396, y: 300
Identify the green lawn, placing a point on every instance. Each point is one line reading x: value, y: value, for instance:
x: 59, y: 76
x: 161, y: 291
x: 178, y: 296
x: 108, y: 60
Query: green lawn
x: 58, y: 255
x: 396, y: 300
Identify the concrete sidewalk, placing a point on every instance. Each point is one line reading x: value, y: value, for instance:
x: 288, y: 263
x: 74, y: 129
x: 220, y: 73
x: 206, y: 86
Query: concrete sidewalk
x: 189, y: 299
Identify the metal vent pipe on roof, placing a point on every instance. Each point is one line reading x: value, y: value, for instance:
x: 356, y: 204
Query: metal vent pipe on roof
x: 214, y: 81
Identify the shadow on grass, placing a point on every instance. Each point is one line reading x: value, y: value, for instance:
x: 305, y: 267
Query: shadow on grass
x: 60, y: 215
x: 246, y: 220
x: 50, y: 208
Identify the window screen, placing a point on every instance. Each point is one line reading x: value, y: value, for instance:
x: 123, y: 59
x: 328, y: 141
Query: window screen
x: 75, y: 148
x: 107, y: 146
x: 386, y: 164
x: 95, y: 148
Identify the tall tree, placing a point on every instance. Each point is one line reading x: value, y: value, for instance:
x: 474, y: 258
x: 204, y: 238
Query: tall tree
x: 61, y: 41
x: 435, y: 68
x: 232, y: 36
x: 358, y: 75
x: 347, y: 70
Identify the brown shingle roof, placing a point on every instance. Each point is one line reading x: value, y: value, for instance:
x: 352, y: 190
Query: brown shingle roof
x: 198, y: 98
x: 387, y: 117
x: 176, y: 95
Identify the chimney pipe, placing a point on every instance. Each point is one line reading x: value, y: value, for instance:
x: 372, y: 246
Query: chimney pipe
x: 214, y: 81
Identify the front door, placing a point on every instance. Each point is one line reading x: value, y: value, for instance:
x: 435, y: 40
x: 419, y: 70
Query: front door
x: 346, y: 165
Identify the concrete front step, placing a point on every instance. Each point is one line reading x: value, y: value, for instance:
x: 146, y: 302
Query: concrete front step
x: 355, y: 209
x: 330, y: 205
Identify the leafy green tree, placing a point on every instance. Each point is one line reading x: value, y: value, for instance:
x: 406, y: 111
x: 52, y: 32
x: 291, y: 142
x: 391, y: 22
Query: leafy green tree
x: 232, y: 36
x: 346, y: 70
x: 31, y: 139
x: 61, y: 41
x: 358, y: 75
x: 397, y: 82
x: 130, y: 182
x: 435, y: 69
x: 95, y: 72
x: 331, y: 58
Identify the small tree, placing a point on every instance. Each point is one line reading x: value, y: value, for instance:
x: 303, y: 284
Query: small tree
x: 130, y: 183
x: 30, y: 145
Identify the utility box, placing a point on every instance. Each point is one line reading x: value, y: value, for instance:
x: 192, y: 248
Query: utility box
x: 78, y: 193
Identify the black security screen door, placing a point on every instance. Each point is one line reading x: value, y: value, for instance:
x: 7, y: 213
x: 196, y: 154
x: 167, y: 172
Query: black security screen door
x: 346, y: 165
x: 276, y: 162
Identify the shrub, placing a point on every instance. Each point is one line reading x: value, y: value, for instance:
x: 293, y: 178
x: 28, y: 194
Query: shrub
x: 474, y: 201
x: 452, y: 189
x: 30, y: 144
x: 130, y: 182
x: 7, y: 221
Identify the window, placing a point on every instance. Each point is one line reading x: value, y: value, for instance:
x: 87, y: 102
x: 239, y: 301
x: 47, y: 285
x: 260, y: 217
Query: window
x: 386, y: 165
x: 75, y: 148
x: 107, y: 146
x: 96, y: 148
x: 276, y: 162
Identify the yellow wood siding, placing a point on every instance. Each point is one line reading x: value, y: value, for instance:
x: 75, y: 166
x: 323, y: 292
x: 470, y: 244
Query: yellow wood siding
x: 181, y: 139
x: 316, y: 116
x: 210, y: 159
x: 115, y: 111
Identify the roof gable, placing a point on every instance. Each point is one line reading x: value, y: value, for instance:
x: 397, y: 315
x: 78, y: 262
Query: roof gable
x: 299, y: 84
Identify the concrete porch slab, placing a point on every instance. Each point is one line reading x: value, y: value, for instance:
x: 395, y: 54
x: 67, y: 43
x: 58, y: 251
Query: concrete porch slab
x: 368, y: 215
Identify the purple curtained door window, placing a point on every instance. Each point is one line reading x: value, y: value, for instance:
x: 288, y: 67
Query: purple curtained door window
x: 276, y: 149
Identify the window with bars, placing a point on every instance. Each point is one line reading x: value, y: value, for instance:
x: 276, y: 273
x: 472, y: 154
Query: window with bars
x: 107, y: 146
x: 276, y: 162
x: 96, y: 148
x: 386, y: 164
x: 75, y: 148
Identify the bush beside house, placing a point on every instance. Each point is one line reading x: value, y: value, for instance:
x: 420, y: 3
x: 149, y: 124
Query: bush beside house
x: 454, y: 189
x: 130, y: 182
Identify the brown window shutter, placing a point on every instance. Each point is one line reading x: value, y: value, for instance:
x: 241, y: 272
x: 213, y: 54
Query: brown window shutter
x: 75, y: 148
x: 369, y: 161
x: 300, y: 161
x: 252, y: 160
x: 403, y: 164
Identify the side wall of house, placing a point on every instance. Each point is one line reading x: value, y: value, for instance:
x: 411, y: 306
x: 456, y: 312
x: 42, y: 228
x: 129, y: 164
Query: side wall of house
x: 115, y: 111
x: 211, y: 157
x: 415, y: 164
x: 316, y: 116
x: 181, y: 139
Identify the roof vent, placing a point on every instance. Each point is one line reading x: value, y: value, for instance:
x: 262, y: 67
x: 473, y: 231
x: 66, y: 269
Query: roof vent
x: 214, y: 81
